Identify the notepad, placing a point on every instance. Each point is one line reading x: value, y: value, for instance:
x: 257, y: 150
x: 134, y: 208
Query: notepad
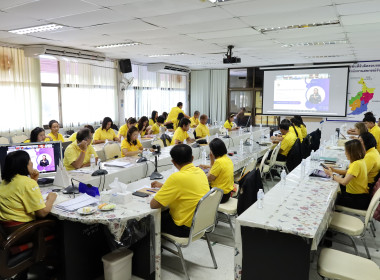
x: 76, y: 203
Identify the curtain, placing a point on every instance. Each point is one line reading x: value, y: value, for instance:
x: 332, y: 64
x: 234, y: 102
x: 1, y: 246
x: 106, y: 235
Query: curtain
x: 218, y: 95
x: 200, y: 91
x: 88, y: 91
x: 20, y: 94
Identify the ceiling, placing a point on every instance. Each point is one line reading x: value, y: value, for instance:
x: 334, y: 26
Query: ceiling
x: 202, y: 30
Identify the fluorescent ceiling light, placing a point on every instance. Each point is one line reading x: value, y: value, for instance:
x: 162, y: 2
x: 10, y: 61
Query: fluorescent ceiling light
x: 41, y: 28
x: 321, y: 43
x: 118, y: 45
x: 327, y: 56
x: 217, y: 1
x: 296, y: 26
x: 169, y: 54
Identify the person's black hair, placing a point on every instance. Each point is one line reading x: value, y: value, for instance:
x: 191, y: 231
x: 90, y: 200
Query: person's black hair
x: 295, y: 122
x: 154, y: 116
x: 34, y: 134
x: 16, y: 163
x: 218, y: 148
x: 368, y: 114
x: 52, y: 122
x: 369, y: 140
x: 83, y: 134
x: 165, y: 114
x: 196, y: 113
x: 183, y: 122
x: 299, y: 118
x: 141, y: 123
x: 129, y: 135
x: 160, y: 119
x: 90, y: 127
x: 286, y: 121
x: 284, y: 126
x: 105, y: 121
x: 182, y: 154
x: 180, y: 116
x: 231, y: 115
x: 369, y: 118
x: 179, y: 104
x: 131, y: 121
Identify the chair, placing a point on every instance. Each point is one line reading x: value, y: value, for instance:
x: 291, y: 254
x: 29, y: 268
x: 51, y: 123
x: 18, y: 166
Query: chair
x: 271, y: 163
x: 111, y: 150
x: 4, y: 140
x: 15, y: 255
x: 354, y: 227
x: 229, y: 209
x: 203, y: 223
x: 251, y: 164
x: 333, y: 264
x: 262, y: 166
x: 19, y: 138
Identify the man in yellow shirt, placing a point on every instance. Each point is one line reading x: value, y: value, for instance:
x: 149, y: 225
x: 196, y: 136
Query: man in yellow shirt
x: 372, y: 156
x: 373, y: 128
x: 78, y: 153
x: 202, y: 130
x: 181, y: 133
x: 73, y: 136
x: 195, y: 119
x: 288, y: 140
x: 173, y: 115
x: 181, y: 192
x: 124, y: 128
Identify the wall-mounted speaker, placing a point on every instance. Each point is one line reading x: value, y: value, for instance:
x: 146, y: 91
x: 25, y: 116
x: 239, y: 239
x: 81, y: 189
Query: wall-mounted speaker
x: 125, y: 65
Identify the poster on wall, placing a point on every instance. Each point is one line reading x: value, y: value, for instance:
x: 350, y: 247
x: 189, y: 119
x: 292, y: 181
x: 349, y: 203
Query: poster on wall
x: 363, y: 91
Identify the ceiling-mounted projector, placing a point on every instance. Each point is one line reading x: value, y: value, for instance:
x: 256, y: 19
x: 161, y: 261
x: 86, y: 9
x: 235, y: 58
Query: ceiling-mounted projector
x: 229, y: 58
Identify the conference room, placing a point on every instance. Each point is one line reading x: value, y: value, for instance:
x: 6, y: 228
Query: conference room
x: 107, y: 106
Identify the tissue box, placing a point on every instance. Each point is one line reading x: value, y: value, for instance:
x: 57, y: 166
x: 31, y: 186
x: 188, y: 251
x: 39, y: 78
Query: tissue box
x: 121, y: 198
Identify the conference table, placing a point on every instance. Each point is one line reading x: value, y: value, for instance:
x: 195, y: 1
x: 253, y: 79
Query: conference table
x: 275, y: 242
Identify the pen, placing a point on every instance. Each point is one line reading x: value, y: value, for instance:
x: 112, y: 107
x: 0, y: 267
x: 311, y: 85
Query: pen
x: 151, y: 191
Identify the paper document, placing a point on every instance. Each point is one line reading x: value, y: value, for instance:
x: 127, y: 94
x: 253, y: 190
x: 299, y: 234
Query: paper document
x: 122, y: 164
x: 76, y: 203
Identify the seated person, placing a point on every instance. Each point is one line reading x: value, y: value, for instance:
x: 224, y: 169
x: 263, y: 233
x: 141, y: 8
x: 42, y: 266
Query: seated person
x: 143, y: 126
x: 124, y: 128
x: 20, y: 197
x: 240, y: 117
x: 177, y: 121
x: 370, y: 123
x: 295, y: 128
x: 131, y: 146
x: 354, y: 191
x: 195, y: 119
x: 153, y: 118
x: 301, y: 125
x: 202, y: 129
x: 105, y: 132
x: 278, y: 138
x: 287, y: 142
x: 221, y: 174
x: 54, y: 134
x: 229, y: 124
x: 181, y: 192
x: 359, y: 128
x: 38, y: 135
x: 73, y: 136
x: 372, y: 156
x: 78, y: 153
x: 180, y: 134
x: 155, y: 129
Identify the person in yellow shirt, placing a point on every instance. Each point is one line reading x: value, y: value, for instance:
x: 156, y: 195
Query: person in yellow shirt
x: 177, y: 121
x: 301, y: 125
x: 143, y: 126
x: 181, y: 133
x: 370, y: 122
x: 229, y: 124
x: 354, y: 191
x: 173, y: 115
x: 221, y: 174
x: 372, y: 156
x: 295, y: 128
x: 153, y: 118
x: 155, y: 129
x: 195, y: 119
x: 38, y: 135
x: 131, y: 145
x: 73, y: 136
x: 181, y: 193
x: 287, y: 141
x: 54, y: 134
x: 124, y: 128
x: 78, y: 154
x: 202, y: 129
x: 20, y: 197
x: 105, y: 132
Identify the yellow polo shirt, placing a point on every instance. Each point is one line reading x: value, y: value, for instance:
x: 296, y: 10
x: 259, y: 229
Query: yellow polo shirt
x: 287, y: 143
x: 202, y: 130
x: 359, y: 184
x: 143, y: 132
x: 228, y: 125
x: 372, y: 162
x: 27, y: 141
x: 156, y: 128
x: 130, y: 147
x: 173, y: 115
x: 151, y: 122
x: 59, y: 138
x: 223, y: 170
x: 19, y: 199
x: 182, y: 191
x: 299, y: 132
x: 123, y: 131
x: 194, y: 122
x: 73, y: 137
x: 303, y: 131
x: 102, y: 134
x: 180, y: 135
x: 375, y: 131
x: 72, y: 153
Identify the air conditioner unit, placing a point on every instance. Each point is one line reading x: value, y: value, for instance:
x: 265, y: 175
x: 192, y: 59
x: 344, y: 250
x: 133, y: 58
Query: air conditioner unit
x: 167, y: 68
x: 36, y: 50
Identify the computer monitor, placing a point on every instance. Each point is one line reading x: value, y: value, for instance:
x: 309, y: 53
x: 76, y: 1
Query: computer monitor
x: 45, y: 156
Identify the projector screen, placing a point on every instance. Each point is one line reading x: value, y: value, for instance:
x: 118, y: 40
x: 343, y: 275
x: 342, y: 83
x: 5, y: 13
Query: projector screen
x: 320, y: 92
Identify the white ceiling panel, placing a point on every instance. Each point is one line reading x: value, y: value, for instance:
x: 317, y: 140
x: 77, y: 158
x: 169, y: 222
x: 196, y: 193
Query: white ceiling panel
x: 358, y: 8
x: 361, y: 19
x: 149, y: 34
x: 122, y: 27
x: 65, y: 35
x: 361, y: 28
x: 6, y: 4
x: 347, y: 1
x: 311, y: 32
x: 216, y: 25
x: 8, y: 22
x: 225, y: 33
x: 111, y: 3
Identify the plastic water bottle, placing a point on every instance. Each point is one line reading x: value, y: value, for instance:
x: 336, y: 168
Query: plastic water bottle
x: 303, y: 168
x: 139, y: 137
x: 184, y: 141
x: 250, y: 128
x: 92, y: 162
x: 240, y: 131
x: 283, y: 177
x: 207, y: 139
x: 241, y: 146
x: 217, y: 135
x: 260, y: 198
x: 204, y: 156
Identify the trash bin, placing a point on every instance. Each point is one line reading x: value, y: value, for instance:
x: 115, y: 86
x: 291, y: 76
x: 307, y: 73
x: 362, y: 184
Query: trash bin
x: 118, y: 265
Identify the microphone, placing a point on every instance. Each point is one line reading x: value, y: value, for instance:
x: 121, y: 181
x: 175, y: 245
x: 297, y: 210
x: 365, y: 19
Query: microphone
x: 155, y: 175
x: 100, y: 171
x: 71, y: 189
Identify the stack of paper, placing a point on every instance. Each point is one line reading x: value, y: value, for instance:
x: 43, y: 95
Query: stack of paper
x: 76, y: 203
x: 122, y: 164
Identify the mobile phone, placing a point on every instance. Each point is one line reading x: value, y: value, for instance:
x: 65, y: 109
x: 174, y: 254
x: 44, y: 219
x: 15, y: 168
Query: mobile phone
x: 140, y: 194
x: 324, y: 166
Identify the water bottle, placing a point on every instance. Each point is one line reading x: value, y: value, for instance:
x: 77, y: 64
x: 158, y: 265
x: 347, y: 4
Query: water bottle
x: 241, y: 146
x: 283, y: 177
x: 204, y: 156
x: 184, y: 141
x: 92, y: 162
x: 217, y: 135
x: 303, y: 168
x: 260, y: 198
x: 261, y: 126
x: 139, y: 137
x: 207, y: 139
x: 250, y: 128
x: 240, y: 131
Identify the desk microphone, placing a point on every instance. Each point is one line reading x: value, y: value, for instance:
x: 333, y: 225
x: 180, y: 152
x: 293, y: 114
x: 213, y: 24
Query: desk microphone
x: 100, y: 171
x: 71, y: 189
x: 155, y: 175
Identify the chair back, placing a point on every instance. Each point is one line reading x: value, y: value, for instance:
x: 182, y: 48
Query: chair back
x: 19, y: 138
x: 4, y: 140
x: 205, y: 213
x: 158, y: 142
x: 249, y: 167
x: 372, y: 207
x: 263, y: 161
x: 273, y: 157
x: 112, y: 150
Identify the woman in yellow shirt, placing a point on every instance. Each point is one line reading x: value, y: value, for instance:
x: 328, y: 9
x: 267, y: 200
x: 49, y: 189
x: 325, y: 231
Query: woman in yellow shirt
x: 229, y: 124
x: 354, y: 185
x: 295, y: 128
x: 38, y: 135
x: 158, y: 125
x: 105, y: 132
x: 54, y: 131
x: 301, y: 125
x: 371, y: 158
x: 153, y: 118
x: 131, y: 145
x: 20, y: 197
x: 143, y: 126
x: 124, y: 128
x: 178, y: 120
